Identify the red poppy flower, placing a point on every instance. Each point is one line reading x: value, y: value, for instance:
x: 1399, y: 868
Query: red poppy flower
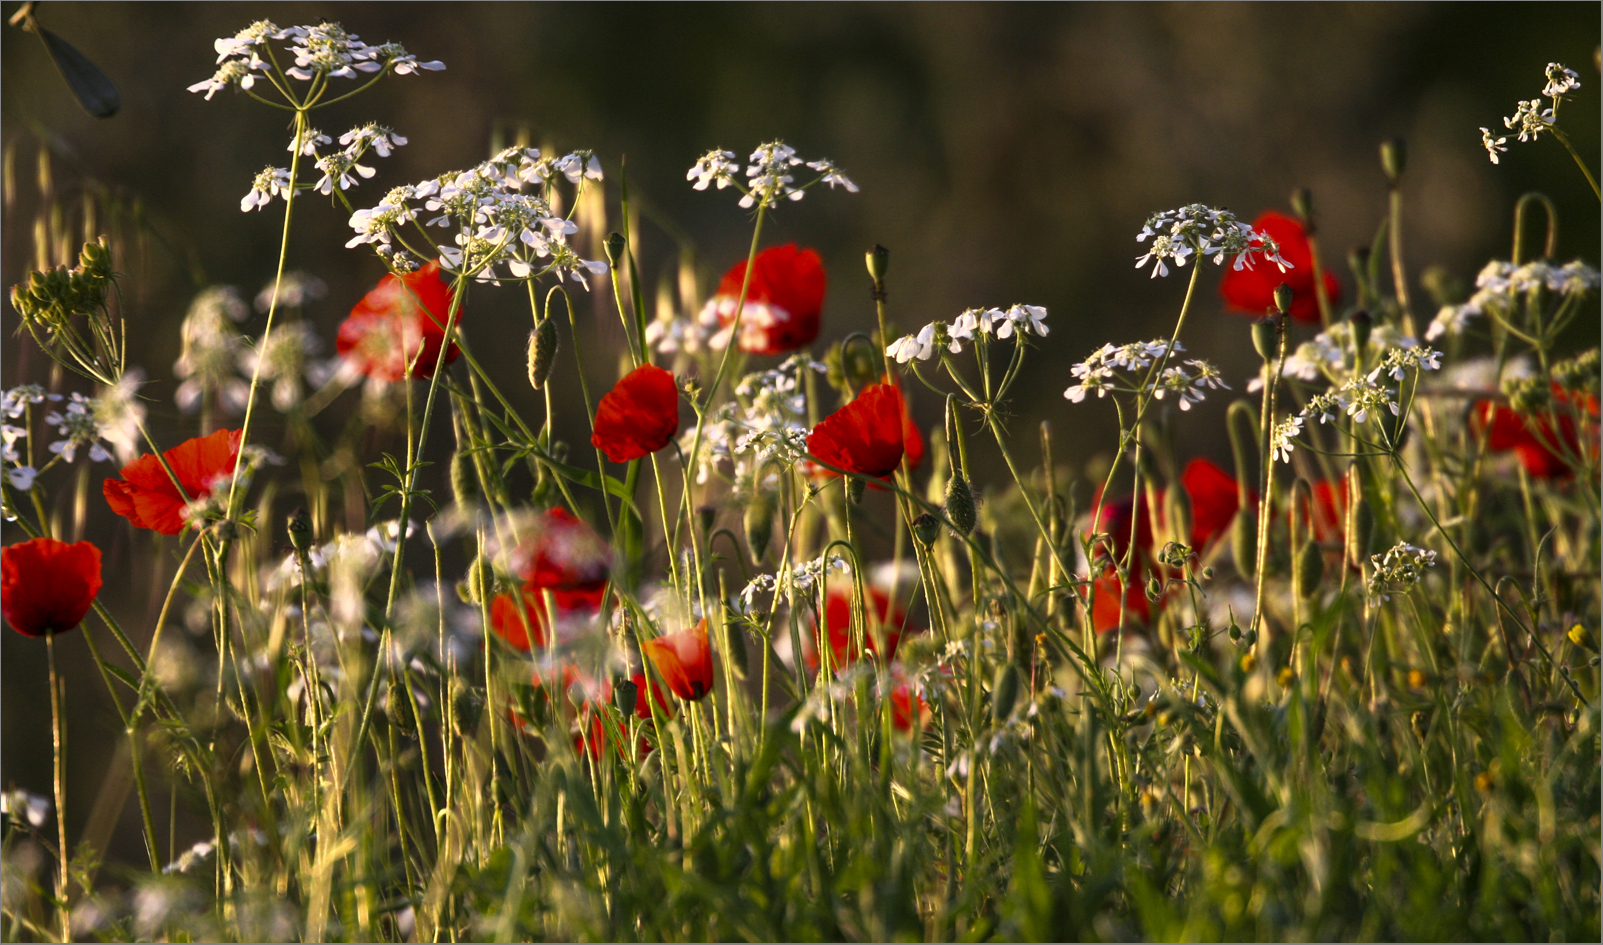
x: 642, y: 707
x: 146, y: 496
x: 905, y: 702
x: 1326, y: 512
x: 564, y: 554
x: 1253, y: 290
x: 46, y: 586
x: 684, y: 661
x: 866, y: 435
x: 402, y: 319
x: 783, y: 301
x: 521, y: 631
x: 1533, y: 437
x: 838, y: 618
x: 639, y: 416
x: 1105, y: 608
x: 1214, y: 500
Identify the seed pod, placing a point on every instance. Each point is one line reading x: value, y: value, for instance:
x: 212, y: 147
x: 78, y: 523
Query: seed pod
x: 1234, y: 632
x: 1244, y: 543
x: 1310, y: 569
x: 879, y: 259
x: 737, y: 648
x: 543, y: 344
x: 396, y: 709
x: 855, y: 489
x: 926, y: 528
x: 615, y: 246
x: 624, y: 695
x: 1263, y: 338
x: 707, y: 515
x: 1154, y: 590
x: 1363, y: 533
x: 960, y: 503
x: 300, y: 531
x: 1302, y: 204
x: 1393, y: 159
x: 464, y: 479
x: 1283, y: 297
x: 1004, y: 692
x: 474, y: 584
x: 759, y: 524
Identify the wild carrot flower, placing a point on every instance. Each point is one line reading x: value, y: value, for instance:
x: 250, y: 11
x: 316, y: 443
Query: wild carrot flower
x: 146, y: 495
x: 47, y: 585
x: 211, y: 352
x: 866, y: 436
x: 768, y: 172
x: 783, y: 302
x: 400, y: 322
x: 684, y: 660
x: 1251, y: 290
x: 1205, y: 232
x: 639, y: 416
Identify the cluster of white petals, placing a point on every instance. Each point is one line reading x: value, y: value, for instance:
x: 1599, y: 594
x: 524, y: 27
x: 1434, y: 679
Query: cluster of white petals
x: 1530, y: 118
x: 1401, y: 567
x: 320, y: 50
x: 1126, y: 369
x: 765, y: 423
x: 1501, y: 286
x: 1197, y: 230
x: 768, y: 173
x: 1001, y: 323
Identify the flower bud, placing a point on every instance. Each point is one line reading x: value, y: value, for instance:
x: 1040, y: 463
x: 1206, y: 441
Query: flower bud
x: 855, y: 489
x: 1264, y: 338
x: 759, y: 524
x: 926, y: 528
x: 615, y: 245
x: 879, y: 259
x: 1234, y: 632
x: 1361, y: 323
x: 707, y: 515
x: 395, y: 707
x: 737, y: 648
x: 464, y: 479
x: 1310, y: 570
x: 300, y: 531
x: 1363, y: 533
x: 960, y: 503
x: 1302, y: 204
x: 1004, y: 692
x: 1154, y: 590
x: 1283, y: 298
x: 543, y: 344
x: 1393, y: 158
x: 624, y: 695
x: 472, y: 587
x: 1244, y: 543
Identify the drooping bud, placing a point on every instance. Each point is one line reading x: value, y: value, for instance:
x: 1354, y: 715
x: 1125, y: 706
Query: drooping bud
x: 300, y: 531
x: 1264, y: 338
x: 1302, y: 204
x: 759, y: 524
x: 1283, y: 298
x: 1393, y: 159
x: 543, y: 344
x: 855, y: 489
x: 1244, y: 543
x: 960, y: 503
x: 707, y: 515
x: 1154, y: 590
x: 615, y: 246
x: 1310, y: 570
x: 879, y: 260
x: 926, y: 528
x: 464, y: 479
x: 471, y: 590
x: 1004, y: 693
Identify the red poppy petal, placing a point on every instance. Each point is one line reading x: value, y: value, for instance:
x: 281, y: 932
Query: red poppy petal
x: 47, y: 585
x: 639, y: 416
x: 1213, y: 496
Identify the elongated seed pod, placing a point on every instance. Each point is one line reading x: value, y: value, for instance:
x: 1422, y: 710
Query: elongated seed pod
x: 543, y: 344
x: 759, y: 524
x: 1310, y: 570
x: 960, y: 503
x: 737, y: 648
x: 464, y: 479
x: 1244, y: 543
x: 1004, y: 693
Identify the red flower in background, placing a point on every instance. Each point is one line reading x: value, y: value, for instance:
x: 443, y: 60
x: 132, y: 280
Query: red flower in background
x: 783, y: 301
x: 528, y: 629
x: 639, y: 416
x: 906, y: 703
x: 642, y: 707
x: 1533, y: 437
x: 1253, y: 290
x: 1214, y: 501
x: 564, y: 554
x: 684, y: 661
x: 401, y: 319
x: 838, y: 618
x: 1105, y: 608
x: 1326, y: 512
x: 47, y: 586
x: 146, y: 496
x: 866, y: 435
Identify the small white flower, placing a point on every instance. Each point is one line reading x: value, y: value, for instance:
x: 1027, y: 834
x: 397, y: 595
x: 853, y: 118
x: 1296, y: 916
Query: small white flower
x: 919, y: 346
x: 1560, y: 81
x: 22, y: 477
x: 1493, y: 145
x: 271, y: 182
x: 1530, y: 119
x: 716, y: 166
x: 832, y: 175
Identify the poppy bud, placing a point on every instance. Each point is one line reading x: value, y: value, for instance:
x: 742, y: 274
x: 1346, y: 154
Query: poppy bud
x: 1263, y: 338
x: 960, y: 503
x: 615, y: 246
x: 879, y: 259
x: 708, y: 515
x: 855, y: 489
x: 1283, y: 295
x: 395, y: 708
x: 1363, y: 533
x: 471, y: 590
x: 926, y: 528
x: 1310, y: 569
x: 1393, y: 159
x: 1244, y: 544
x: 624, y: 695
x: 737, y: 648
x: 1234, y: 632
x: 759, y: 524
x: 300, y: 531
x: 543, y: 344
x: 1207, y: 573
x: 1361, y: 323
x: 1004, y: 693
x: 464, y: 479
x: 1302, y: 204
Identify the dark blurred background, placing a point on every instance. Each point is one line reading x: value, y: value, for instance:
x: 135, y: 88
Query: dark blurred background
x: 1006, y: 153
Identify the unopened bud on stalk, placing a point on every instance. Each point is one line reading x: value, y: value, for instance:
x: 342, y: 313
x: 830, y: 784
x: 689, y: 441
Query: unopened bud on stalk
x: 464, y: 479
x: 707, y: 515
x: 1302, y: 204
x: 960, y: 503
x: 1233, y: 632
x: 879, y: 260
x: 543, y: 344
x: 1244, y: 543
x: 1361, y: 323
x: 624, y: 695
x: 855, y: 489
x: 737, y: 649
x: 395, y: 707
x: 615, y: 245
x: 471, y: 590
x: 300, y: 531
x: 1310, y: 570
x: 1283, y: 297
x: 1393, y: 159
x: 1263, y: 338
x: 1004, y: 693
x: 1154, y: 590
x: 926, y: 528
x: 759, y: 524
x: 1363, y: 533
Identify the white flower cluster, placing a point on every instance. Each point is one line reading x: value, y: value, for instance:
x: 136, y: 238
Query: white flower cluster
x: 1114, y: 370
x: 766, y: 422
x: 768, y: 173
x: 78, y: 426
x: 1204, y: 231
x: 793, y: 584
x: 25, y: 806
x: 1358, y: 398
x: 1530, y: 119
x: 288, y: 356
x: 1002, y: 323
x: 295, y: 289
x: 1329, y: 354
x: 1400, y: 568
x: 1500, y: 286
x: 108, y: 424
x: 322, y: 50
x: 340, y: 168
x: 670, y: 333
x: 497, y: 222
x: 211, y: 351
